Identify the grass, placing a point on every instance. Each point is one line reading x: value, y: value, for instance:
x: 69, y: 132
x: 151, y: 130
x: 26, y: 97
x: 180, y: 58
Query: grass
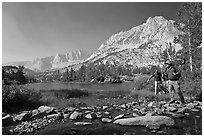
x: 18, y: 98
x: 57, y: 98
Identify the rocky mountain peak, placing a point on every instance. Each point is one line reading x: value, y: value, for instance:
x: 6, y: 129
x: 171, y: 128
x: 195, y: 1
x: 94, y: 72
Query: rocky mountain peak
x: 141, y: 45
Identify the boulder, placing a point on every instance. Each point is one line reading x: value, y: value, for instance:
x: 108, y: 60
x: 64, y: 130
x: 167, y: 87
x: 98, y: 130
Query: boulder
x: 135, y: 115
x: 47, y: 109
x: 70, y: 109
x: 23, y: 116
x: 66, y: 116
x: 75, y: 115
x: 36, y: 114
x: 150, y: 104
x: 57, y: 116
x: 107, y: 113
x: 119, y: 116
x: 7, y: 120
x: 106, y: 120
x: 104, y: 107
x: 91, y: 116
x: 152, y: 122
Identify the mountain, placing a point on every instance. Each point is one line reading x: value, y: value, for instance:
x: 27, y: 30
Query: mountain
x: 53, y: 62
x: 140, y: 46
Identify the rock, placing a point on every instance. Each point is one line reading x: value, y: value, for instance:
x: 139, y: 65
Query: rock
x: 106, y: 120
x: 187, y: 114
x: 104, y: 107
x: 171, y: 109
x: 7, y: 120
x: 119, y: 116
x: 107, y: 113
x: 166, y: 105
x: 46, y: 109
x: 190, y: 106
x: 150, y: 114
x: 175, y: 115
x: 183, y: 110
x: 195, y: 110
x: 136, y: 110
x: 82, y: 123
x: 123, y: 106
x: 150, y: 104
x: 158, y: 111
x: 197, y: 116
x: 86, y: 108
x: 162, y: 102
x: 135, y: 115
x: 161, y: 132
x: 66, y: 116
x: 153, y: 122
x: 70, y: 109
x: 143, y: 111
x: 56, y: 116
x: 91, y: 116
x: 75, y: 115
x: 23, y: 116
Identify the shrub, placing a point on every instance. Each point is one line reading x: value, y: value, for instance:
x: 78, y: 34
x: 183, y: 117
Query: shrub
x: 141, y: 83
x: 17, y: 98
x: 191, y: 82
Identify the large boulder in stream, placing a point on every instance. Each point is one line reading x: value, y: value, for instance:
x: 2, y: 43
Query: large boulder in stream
x: 152, y: 122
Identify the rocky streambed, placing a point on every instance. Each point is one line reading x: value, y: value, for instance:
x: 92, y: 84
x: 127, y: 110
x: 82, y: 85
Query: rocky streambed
x: 136, y: 117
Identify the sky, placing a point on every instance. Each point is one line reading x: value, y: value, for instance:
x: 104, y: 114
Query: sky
x: 35, y: 30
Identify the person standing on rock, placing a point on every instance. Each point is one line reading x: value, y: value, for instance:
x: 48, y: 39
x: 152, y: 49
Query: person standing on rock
x: 173, y: 75
x: 158, y: 82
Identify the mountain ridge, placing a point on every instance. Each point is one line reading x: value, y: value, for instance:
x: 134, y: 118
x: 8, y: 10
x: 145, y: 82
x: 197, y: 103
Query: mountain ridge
x: 139, y: 45
x: 53, y: 62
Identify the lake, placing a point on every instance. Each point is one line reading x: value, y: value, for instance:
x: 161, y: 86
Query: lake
x: 82, y: 86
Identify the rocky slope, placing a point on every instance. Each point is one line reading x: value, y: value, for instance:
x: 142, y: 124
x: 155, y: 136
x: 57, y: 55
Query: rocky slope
x: 140, y: 46
x: 54, y: 62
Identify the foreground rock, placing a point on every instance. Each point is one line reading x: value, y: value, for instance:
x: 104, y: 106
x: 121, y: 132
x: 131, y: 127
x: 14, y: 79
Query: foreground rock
x: 76, y: 115
x: 23, y: 116
x: 152, y: 122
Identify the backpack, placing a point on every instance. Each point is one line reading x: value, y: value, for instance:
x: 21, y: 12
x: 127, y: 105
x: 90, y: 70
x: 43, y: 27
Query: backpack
x: 173, y: 73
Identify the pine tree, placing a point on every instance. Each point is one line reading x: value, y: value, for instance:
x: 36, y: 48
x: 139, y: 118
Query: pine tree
x: 190, y: 22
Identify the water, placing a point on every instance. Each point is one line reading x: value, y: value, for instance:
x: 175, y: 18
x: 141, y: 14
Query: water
x: 83, y: 86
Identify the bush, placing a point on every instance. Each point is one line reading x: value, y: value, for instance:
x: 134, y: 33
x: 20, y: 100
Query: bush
x: 191, y: 82
x: 141, y: 83
x: 17, y: 98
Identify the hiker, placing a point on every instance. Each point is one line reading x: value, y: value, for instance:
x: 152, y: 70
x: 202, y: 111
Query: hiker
x: 158, y: 81
x: 173, y: 75
x: 165, y: 80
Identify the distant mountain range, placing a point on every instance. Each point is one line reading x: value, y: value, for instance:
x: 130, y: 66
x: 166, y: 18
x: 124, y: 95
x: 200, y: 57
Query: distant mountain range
x: 140, y: 46
x: 53, y: 62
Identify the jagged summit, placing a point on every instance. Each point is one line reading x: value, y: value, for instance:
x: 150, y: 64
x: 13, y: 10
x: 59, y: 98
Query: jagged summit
x: 139, y: 46
x: 54, y: 62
